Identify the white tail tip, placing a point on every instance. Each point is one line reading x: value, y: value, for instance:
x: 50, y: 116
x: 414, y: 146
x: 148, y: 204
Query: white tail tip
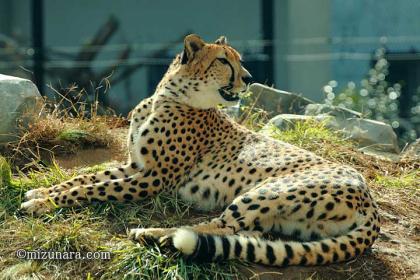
x: 185, y: 241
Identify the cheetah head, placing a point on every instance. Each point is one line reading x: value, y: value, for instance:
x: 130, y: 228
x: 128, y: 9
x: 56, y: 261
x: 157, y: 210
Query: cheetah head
x: 205, y: 75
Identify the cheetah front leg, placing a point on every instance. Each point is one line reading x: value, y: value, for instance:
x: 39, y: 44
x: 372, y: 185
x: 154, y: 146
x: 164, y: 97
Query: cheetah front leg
x: 138, y: 115
x: 133, y: 188
x: 112, y: 174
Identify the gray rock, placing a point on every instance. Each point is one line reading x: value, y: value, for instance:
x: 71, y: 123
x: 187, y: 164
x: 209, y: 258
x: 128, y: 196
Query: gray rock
x: 338, y: 112
x: 275, y: 101
x: 375, y: 137
x: 20, y: 100
x: 372, y: 135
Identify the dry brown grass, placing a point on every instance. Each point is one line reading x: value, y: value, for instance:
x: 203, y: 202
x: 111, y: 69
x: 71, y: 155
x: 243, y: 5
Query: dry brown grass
x: 63, y: 127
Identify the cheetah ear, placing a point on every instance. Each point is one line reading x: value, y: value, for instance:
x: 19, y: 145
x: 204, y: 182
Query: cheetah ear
x: 221, y: 41
x: 192, y: 44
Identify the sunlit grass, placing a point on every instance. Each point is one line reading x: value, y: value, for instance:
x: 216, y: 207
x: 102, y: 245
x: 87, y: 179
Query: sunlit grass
x: 97, y: 227
x: 410, y: 180
x: 138, y: 262
x: 5, y: 172
x: 308, y: 134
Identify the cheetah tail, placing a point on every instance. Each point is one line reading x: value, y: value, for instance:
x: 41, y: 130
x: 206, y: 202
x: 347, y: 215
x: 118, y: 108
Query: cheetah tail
x: 204, y: 247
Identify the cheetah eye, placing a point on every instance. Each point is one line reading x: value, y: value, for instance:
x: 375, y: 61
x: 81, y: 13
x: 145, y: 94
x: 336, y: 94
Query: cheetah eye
x: 223, y: 60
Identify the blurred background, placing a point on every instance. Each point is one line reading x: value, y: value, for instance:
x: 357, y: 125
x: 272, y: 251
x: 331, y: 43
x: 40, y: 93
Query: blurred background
x: 360, y: 54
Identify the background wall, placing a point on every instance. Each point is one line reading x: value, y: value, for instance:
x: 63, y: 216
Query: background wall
x: 314, y: 41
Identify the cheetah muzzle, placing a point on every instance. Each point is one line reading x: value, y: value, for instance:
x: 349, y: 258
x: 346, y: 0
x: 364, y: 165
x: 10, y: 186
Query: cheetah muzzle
x: 227, y: 95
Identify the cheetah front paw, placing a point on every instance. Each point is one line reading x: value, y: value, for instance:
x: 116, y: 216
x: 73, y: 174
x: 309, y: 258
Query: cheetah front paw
x: 36, y: 193
x: 37, y: 206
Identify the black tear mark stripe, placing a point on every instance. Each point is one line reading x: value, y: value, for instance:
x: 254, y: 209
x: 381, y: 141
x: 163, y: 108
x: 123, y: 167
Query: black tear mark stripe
x: 232, y: 75
x: 211, y: 64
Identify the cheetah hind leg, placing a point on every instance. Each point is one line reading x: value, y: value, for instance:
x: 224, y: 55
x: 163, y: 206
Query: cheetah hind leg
x: 149, y: 236
x: 161, y: 236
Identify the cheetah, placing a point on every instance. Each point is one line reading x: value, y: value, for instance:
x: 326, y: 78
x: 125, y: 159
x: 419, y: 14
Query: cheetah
x: 180, y: 142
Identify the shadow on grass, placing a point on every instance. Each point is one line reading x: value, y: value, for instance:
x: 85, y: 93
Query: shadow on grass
x: 369, y: 266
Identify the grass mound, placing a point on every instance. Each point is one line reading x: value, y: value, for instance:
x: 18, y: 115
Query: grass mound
x: 63, y: 127
x: 102, y: 227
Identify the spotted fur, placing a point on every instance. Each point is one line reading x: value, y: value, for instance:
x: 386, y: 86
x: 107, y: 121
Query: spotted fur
x: 179, y: 142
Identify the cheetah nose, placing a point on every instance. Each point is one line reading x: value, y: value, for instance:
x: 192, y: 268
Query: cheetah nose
x: 247, y: 79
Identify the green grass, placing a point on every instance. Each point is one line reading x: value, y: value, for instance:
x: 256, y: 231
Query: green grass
x: 408, y: 180
x: 138, y: 262
x: 99, y: 227
x: 308, y: 135
x: 74, y: 135
x: 5, y: 172
x: 13, y: 191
